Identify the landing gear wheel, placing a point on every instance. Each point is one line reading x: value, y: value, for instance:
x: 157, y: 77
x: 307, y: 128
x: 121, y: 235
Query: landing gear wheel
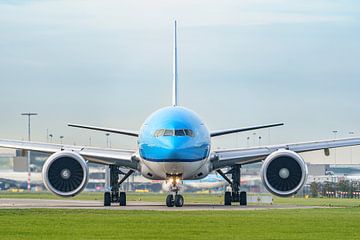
x: 243, y: 200
x: 179, y: 200
x: 107, y: 199
x: 122, y: 199
x: 170, y: 200
x: 114, y: 196
x: 227, y: 199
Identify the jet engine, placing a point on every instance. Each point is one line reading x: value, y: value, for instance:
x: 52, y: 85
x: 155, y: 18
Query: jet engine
x: 284, y: 172
x: 65, y: 173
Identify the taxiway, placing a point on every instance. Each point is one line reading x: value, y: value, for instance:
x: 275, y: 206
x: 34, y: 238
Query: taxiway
x: 8, y: 203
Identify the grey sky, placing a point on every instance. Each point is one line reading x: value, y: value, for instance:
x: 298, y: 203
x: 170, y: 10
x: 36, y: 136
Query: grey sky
x: 109, y: 63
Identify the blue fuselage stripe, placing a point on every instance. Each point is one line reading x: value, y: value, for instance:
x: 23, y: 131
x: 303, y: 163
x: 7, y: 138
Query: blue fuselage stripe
x: 173, y: 160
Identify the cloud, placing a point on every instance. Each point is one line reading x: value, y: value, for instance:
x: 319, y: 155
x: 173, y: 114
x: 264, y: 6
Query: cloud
x: 159, y: 13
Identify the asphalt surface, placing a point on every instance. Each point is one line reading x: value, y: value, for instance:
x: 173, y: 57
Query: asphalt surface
x: 6, y: 203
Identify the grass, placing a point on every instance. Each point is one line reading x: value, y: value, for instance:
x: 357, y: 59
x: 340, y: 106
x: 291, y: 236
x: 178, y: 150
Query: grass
x: 330, y: 202
x: 324, y: 223
x: 333, y: 223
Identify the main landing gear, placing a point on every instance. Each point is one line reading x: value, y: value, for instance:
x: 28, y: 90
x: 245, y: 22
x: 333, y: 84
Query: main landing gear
x: 115, y: 196
x: 235, y: 195
x: 174, y: 198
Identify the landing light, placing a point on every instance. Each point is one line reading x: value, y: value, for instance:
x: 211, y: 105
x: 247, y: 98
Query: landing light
x: 174, y: 180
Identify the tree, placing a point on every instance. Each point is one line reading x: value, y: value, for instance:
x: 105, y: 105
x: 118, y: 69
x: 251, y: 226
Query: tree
x: 343, y: 186
x: 328, y: 187
x: 314, y: 189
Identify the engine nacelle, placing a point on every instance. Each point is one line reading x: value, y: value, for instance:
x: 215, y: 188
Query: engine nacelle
x: 284, y: 172
x: 65, y: 173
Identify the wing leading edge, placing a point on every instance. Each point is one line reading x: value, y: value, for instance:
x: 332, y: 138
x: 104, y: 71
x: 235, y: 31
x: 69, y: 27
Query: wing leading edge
x: 236, y: 130
x: 110, y: 130
x: 225, y: 158
x: 125, y: 158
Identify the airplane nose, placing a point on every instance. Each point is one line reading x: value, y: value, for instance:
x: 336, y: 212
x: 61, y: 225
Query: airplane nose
x: 174, y: 149
x: 180, y: 148
x: 174, y: 143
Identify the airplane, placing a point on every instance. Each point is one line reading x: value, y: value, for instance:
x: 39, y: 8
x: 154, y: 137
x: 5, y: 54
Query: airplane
x: 174, y: 144
x: 211, y: 181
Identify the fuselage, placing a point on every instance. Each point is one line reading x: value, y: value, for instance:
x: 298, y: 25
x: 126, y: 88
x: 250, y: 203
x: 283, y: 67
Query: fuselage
x: 173, y: 141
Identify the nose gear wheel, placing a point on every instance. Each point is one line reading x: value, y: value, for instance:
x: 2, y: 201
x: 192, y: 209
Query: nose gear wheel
x: 174, y: 198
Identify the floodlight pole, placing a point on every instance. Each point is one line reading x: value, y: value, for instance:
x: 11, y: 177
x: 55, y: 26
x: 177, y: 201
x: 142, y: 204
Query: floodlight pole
x: 29, y: 114
x: 107, y: 139
x: 335, y: 134
x: 107, y: 168
x: 351, y: 155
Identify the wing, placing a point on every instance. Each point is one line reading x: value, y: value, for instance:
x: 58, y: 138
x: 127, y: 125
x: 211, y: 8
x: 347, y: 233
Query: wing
x: 224, y: 158
x: 236, y: 130
x: 125, y: 158
x: 110, y: 130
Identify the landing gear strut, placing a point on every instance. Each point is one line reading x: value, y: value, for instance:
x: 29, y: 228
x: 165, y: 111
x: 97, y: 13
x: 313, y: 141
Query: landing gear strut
x: 174, y: 198
x: 115, y: 196
x: 235, y: 195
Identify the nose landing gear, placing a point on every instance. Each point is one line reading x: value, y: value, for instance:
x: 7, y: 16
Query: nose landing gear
x: 170, y: 200
x: 174, y: 198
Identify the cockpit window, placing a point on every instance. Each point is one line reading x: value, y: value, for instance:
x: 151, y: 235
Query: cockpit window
x: 159, y: 132
x: 179, y: 132
x: 188, y: 132
x: 176, y: 132
x: 168, y: 132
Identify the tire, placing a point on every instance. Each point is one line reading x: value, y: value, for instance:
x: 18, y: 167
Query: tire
x: 179, y: 200
x: 107, y: 199
x: 235, y: 197
x: 227, y: 199
x: 170, y: 200
x: 122, y: 199
x: 243, y: 199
